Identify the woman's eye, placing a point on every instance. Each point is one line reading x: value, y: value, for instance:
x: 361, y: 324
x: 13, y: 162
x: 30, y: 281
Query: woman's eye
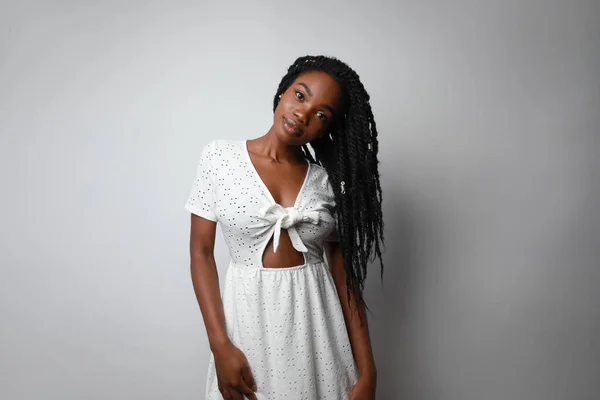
x: 299, y: 95
x: 321, y: 115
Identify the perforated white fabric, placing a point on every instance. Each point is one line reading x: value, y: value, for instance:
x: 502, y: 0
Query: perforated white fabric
x: 287, y: 321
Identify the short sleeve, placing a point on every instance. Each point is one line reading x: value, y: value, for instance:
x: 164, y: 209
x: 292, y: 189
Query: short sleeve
x: 202, y: 198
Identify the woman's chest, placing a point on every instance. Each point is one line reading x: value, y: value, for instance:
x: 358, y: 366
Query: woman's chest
x: 243, y: 201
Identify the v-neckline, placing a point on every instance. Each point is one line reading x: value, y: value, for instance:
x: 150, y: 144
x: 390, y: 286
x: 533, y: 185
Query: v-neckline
x: 262, y: 182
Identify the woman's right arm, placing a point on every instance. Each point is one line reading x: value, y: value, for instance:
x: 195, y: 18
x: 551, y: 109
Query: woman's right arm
x: 206, y: 279
x: 233, y: 372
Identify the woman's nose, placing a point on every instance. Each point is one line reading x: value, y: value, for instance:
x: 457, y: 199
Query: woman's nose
x: 302, y: 115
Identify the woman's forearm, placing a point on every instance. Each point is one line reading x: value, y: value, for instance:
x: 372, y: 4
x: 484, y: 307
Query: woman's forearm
x: 205, y: 279
x: 358, y: 332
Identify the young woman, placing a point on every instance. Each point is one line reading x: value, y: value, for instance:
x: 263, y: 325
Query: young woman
x: 290, y: 325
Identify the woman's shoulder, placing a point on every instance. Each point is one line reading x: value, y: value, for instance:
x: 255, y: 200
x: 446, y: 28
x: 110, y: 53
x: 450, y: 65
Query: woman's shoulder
x: 224, y: 144
x: 215, y: 151
x: 318, y: 170
x: 221, y: 148
x: 320, y: 177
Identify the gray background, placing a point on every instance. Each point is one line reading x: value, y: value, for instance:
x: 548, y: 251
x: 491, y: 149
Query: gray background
x: 489, y: 124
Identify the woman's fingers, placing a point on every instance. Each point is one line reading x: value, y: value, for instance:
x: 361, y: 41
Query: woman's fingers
x: 245, y: 389
x: 248, y: 378
x: 233, y: 374
x: 225, y: 393
x: 235, y: 394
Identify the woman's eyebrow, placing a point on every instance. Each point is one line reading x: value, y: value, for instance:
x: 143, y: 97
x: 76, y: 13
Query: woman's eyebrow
x: 327, y: 107
x: 306, y: 87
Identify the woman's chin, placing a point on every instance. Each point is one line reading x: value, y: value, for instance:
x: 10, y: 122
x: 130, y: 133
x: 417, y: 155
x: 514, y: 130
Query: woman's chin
x: 291, y: 139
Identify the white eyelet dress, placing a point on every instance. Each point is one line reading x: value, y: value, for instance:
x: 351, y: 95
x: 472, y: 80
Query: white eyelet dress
x: 287, y: 321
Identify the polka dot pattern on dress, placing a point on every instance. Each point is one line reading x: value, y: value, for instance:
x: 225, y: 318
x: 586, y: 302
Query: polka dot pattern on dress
x: 287, y: 321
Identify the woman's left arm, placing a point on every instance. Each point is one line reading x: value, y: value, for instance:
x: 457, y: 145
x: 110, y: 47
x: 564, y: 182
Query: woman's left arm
x: 359, y: 334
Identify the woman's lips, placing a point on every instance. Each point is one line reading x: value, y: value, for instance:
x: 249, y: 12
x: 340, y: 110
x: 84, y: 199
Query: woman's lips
x: 291, y: 127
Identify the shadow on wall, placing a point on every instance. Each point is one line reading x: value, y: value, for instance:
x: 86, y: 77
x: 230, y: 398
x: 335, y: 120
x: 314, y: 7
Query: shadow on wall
x: 392, y: 318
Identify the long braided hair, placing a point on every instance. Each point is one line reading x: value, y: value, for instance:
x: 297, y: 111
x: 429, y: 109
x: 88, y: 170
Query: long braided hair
x: 349, y: 154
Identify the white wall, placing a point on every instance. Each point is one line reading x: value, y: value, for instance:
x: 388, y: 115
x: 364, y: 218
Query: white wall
x: 489, y: 128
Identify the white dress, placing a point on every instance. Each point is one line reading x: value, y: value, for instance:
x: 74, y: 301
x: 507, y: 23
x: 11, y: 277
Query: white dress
x: 287, y: 321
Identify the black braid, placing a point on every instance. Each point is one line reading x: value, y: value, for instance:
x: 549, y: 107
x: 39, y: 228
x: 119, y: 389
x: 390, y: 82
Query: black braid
x: 349, y: 154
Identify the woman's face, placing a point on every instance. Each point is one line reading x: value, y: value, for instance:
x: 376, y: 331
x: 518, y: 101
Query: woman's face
x: 308, y: 108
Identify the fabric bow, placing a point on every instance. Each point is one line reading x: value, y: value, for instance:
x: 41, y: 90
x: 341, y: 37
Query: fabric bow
x: 287, y: 218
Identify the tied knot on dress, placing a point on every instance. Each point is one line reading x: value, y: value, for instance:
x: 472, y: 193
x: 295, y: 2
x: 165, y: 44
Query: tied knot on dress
x: 287, y: 218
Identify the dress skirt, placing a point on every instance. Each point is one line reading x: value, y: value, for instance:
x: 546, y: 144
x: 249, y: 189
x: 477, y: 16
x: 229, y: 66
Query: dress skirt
x: 289, y: 324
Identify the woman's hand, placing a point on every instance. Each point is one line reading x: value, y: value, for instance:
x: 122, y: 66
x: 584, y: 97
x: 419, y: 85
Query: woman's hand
x: 364, y: 389
x: 233, y: 373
